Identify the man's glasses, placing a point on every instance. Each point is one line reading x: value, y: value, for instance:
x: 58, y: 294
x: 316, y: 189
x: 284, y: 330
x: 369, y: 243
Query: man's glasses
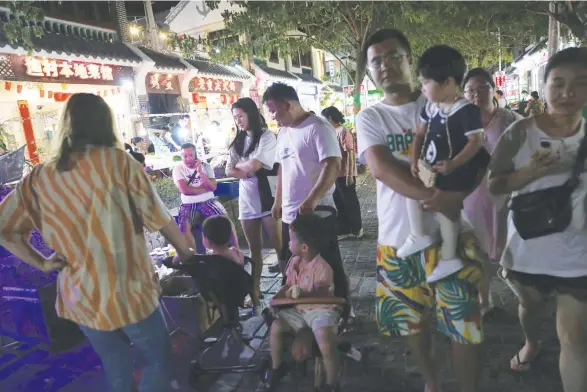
x: 478, y: 91
x: 390, y: 58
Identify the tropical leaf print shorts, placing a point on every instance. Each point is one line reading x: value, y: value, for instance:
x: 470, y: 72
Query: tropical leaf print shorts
x: 404, y: 299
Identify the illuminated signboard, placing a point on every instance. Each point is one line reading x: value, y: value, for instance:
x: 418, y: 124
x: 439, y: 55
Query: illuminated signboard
x: 162, y: 83
x: 67, y: 71
x: 214, y: 85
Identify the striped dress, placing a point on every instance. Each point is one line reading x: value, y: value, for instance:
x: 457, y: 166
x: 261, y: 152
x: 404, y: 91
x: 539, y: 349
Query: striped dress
x: 93, y: 215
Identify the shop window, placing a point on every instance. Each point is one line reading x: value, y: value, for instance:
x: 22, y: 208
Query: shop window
x: 306, y: 59
x: 307, y: 71
x: 274, y: 56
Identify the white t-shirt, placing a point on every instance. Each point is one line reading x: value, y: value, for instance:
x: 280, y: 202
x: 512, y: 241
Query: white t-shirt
x: 393, y: 127
x: 182, y: 172
x: 561, y: 254
x: 300, y: 151
x: 249, y: 201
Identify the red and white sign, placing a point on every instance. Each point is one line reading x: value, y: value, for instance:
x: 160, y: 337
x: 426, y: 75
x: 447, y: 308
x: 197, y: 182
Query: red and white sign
x: 349, y: 90
x: 67, y: 71
x: 214, y: 85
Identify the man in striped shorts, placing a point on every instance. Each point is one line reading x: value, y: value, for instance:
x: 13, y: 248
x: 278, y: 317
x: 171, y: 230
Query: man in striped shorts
x: 196, y: 182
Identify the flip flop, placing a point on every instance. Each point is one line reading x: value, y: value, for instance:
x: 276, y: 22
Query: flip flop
x: 520, y: 366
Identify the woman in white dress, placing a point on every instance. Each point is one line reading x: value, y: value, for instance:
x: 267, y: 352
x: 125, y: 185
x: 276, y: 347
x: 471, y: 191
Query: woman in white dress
x: 252, y: 159
x: 546, y: 248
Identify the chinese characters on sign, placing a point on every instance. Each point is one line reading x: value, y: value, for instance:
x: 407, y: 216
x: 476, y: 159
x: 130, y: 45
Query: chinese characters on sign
x: 349, y: 90
x: 162, y: 83
x: 55, y: 68
x: 67, y: 71
x: 213, y: 85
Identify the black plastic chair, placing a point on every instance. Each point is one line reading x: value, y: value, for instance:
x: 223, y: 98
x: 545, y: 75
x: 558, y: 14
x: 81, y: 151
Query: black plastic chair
x: 225, y: 284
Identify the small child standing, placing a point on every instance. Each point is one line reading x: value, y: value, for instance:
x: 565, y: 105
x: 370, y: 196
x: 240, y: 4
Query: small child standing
x: 217, y: 238
x: 308, y: 275
x: 447, y: 152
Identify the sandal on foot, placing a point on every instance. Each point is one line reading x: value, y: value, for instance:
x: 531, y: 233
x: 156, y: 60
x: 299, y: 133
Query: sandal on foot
x: 517, y: 365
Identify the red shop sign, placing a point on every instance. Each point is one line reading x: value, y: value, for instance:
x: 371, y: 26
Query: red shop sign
x: 214, y: 85
x: 67, y: 71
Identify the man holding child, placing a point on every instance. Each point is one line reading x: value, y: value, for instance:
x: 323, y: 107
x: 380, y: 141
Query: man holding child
x: 406, y: 304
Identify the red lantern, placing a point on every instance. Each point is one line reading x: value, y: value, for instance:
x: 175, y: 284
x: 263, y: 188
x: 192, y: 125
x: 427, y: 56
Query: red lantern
x: 232, y: 99
x: 42, y: 93
x: 50, y: 94
x: 7, y: 86
x: 223, y: 99
x: 195, y: 98
x: 19, y: 88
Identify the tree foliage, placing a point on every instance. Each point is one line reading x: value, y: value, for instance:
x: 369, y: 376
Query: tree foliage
x: 571, y: 14
x: 21, y: 30
x: 341, y: 28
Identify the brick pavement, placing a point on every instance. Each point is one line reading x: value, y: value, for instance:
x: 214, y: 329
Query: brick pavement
x: 390, y: 367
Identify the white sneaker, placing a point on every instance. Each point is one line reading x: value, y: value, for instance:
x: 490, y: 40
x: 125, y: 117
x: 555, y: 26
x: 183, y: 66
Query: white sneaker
x: 445, y: 267
x: 414, y: 244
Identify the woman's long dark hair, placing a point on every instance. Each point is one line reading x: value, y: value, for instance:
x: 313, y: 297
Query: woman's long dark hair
x: 483, y: 74
x: 333, y: 114
x: 257, y: 126
x: 87, y: 121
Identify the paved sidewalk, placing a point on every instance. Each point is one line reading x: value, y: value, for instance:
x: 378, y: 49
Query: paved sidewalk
x: 390, y: 367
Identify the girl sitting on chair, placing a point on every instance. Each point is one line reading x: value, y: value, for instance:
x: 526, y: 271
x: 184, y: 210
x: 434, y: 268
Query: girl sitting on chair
x: 309, y: 275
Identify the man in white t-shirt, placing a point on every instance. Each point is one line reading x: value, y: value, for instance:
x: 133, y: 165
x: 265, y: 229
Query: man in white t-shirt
x: 404, y: 300
x: 309, y: 157
x: 196, y: 183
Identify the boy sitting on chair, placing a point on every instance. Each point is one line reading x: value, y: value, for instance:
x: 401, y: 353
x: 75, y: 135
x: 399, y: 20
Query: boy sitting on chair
x: 308, y: 275
x: 217, y: 238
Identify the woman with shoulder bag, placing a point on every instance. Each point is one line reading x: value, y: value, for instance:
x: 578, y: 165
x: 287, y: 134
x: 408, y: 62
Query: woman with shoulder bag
x: 540, y: 161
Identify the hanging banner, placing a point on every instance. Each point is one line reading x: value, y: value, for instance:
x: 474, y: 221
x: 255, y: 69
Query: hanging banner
x: 162, y: 83
x: 214, y: 85
x: 39, y: 69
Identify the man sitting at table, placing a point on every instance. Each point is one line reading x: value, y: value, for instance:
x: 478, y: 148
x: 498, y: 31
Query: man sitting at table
x: 196, y: 183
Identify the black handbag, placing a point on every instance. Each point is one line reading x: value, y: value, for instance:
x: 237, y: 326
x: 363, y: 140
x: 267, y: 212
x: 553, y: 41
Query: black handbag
x: 548, y: 211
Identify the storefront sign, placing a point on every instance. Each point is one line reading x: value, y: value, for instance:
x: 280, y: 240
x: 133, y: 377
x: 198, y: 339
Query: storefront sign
x: 213, y: 85
x: 66, y: 71
x: 162, y: 83
x: 348, y: 90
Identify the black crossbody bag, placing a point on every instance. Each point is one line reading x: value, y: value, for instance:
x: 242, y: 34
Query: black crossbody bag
x: 548, y: 211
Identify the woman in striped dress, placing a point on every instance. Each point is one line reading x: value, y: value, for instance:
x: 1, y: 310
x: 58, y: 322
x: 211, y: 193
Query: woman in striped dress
x: 90, y: 203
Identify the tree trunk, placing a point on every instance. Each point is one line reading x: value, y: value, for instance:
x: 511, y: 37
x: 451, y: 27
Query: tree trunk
x: 359, y: 76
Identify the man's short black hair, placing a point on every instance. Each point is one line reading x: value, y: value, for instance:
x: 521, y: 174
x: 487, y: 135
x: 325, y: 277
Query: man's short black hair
x: 525, y: 92
x: 385, y: 34
x: 442, y: 62
x: 188, y: 145
x: 218, y: 230
x: 499, y: 92
x: 280, y: 92
x: 569, y: 56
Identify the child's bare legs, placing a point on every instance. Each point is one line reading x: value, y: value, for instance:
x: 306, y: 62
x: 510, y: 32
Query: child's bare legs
x: 326, y: 337
x: 278, y: 328
x: 450, y: 262
x: 417, y: 240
